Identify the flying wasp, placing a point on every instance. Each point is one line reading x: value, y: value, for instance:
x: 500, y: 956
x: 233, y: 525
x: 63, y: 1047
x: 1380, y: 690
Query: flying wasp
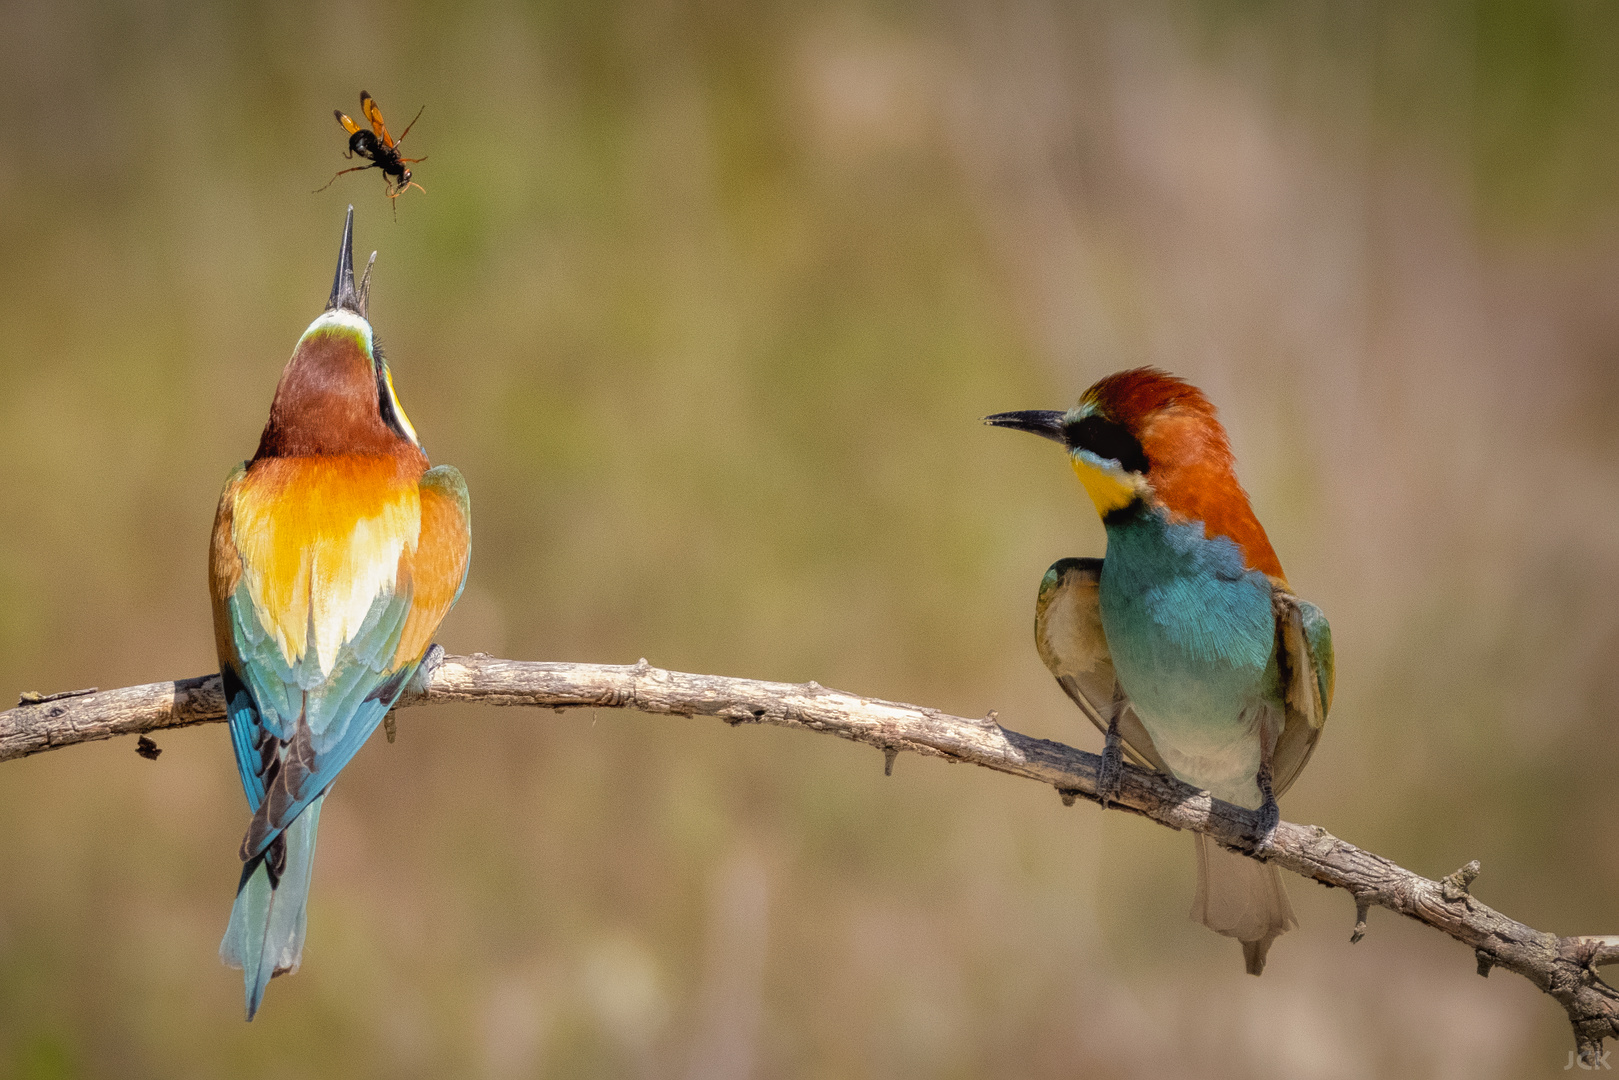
x: 379, y: 148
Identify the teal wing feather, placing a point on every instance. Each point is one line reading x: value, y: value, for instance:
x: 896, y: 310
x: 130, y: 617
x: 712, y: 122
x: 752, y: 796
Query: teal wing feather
x: 1318, y: 639
x: 1068, y: 634
x: 295, y: 729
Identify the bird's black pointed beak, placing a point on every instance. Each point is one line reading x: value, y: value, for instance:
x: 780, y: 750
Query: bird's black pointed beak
x: 1043, y: 422
x: 344, y: 296
x: 365, y: 287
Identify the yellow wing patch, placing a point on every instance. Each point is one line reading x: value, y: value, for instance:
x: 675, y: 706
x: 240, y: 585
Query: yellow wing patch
x: 319, y: 539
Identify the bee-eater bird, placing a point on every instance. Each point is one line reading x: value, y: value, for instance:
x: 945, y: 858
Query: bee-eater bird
x: 336, y: 554
x: 1185, y: 645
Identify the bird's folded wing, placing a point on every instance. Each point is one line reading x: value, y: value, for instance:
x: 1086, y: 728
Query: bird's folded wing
x: 302, y: 703
x: 439, y: 567
x: 1304, y: 654
x: 1068, y: 633
x: 224, y: 576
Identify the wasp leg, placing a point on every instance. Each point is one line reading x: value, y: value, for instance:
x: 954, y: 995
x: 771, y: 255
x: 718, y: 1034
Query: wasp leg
x: 333, y: 180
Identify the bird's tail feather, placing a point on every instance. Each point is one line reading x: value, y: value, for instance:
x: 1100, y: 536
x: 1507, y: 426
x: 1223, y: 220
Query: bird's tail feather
x: 1241, y: 898
x: 265, y: 937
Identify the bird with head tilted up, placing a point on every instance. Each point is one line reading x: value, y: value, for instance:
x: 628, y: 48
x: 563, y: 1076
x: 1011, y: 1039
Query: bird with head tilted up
x: 336, y: 554
x: 1185, y: 646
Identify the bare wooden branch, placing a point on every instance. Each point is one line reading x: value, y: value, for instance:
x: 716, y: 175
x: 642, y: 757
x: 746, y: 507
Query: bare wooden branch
x: 1564, y: 967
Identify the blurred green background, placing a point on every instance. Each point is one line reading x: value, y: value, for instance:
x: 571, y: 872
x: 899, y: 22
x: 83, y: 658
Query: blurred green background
x: 706, y: 301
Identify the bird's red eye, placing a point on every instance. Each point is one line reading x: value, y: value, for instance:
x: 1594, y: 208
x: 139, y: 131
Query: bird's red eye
x: 1106, y: 439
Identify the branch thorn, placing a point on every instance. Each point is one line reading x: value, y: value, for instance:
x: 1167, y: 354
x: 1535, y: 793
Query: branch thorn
x: 34, y: 697
x: 1068, y: 795
x: 1485, y: 963
x: 1363, y: 905
x: 1454, y: 886
x: 889, y: 754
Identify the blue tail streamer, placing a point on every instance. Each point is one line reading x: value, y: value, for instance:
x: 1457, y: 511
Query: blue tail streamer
x: 265, y: 937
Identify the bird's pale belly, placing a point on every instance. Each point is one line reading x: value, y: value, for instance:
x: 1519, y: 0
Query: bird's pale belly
x: 1203, y: 718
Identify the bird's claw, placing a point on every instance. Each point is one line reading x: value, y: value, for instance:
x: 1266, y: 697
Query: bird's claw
x: 1110, y: 777
x: 424, y: 672
x: 1269, y: 817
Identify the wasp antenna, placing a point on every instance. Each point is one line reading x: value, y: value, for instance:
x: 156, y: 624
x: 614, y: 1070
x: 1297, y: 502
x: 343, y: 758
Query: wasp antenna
x: 410, y: 125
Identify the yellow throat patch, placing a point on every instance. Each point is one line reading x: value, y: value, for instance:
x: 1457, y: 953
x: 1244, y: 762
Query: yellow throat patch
x: 1107, y: 490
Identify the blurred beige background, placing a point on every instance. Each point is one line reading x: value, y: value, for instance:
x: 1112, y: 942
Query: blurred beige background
x: 706, y: 301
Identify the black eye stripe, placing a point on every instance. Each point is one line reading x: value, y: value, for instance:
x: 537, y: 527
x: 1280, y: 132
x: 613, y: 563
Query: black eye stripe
x: 1106, y: 439
x: 385, y: 404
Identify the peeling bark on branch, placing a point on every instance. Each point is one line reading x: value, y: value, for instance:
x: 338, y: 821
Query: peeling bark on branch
x: 1564, y: 967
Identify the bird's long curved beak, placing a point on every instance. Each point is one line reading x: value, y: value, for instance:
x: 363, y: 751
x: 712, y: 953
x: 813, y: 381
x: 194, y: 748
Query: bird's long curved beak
x: 344, y: 295
x: 1043, y: 422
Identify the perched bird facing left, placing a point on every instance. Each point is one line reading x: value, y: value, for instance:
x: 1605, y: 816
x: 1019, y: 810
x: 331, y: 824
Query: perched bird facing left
x: 336, y: 554
x: 1186, y: 645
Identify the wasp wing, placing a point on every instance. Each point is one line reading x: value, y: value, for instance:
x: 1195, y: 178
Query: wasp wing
x: 368, y: 105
